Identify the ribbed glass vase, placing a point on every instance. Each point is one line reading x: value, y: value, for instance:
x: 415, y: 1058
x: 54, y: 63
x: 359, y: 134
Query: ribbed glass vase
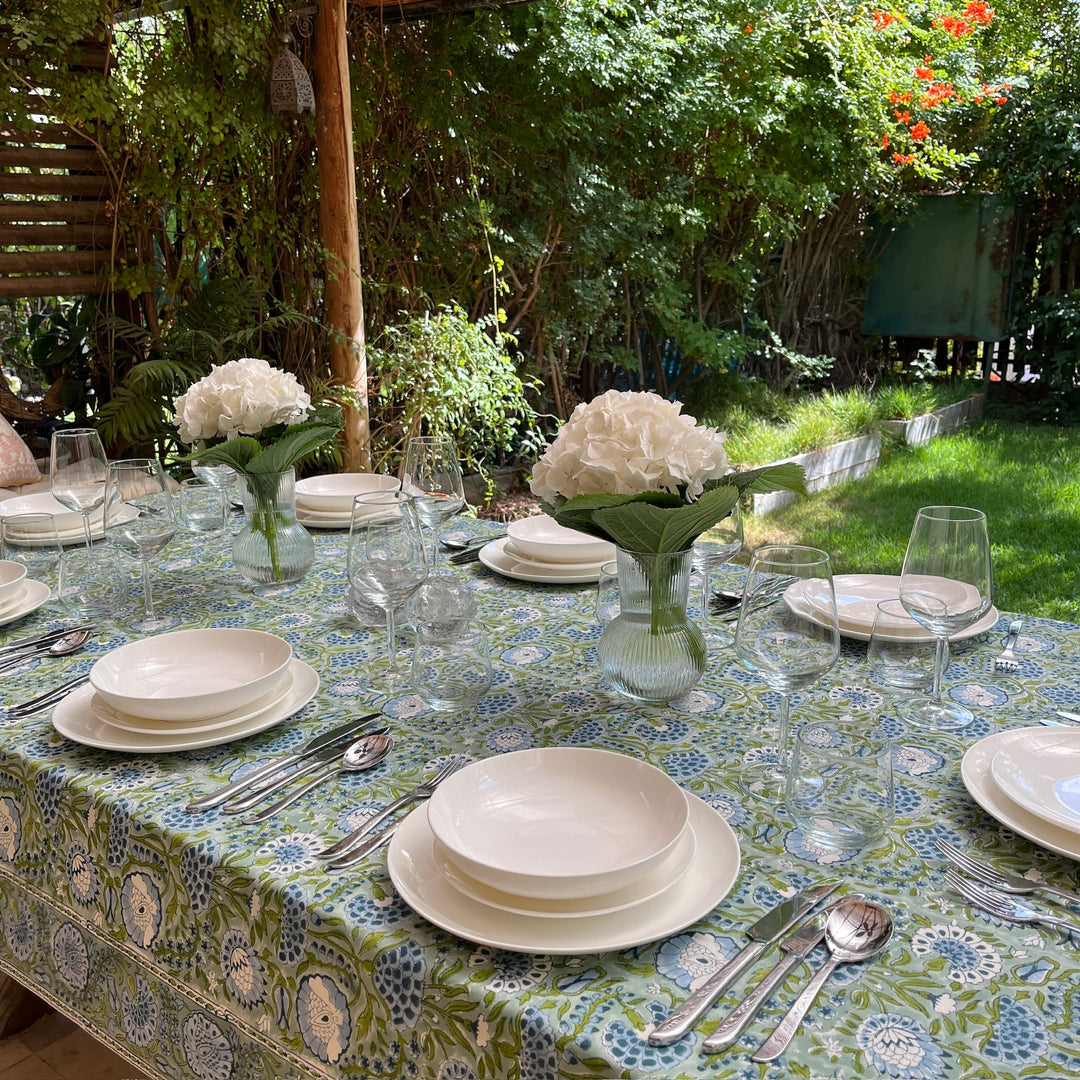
x: 272, y: 547
x: 650, y: 651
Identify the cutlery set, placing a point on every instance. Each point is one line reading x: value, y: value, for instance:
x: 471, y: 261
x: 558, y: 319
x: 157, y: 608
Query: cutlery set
x: 853, y: 929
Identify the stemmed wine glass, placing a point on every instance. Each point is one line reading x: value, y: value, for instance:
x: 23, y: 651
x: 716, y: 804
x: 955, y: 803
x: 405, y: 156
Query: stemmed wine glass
x: 946, y: 585
x: 788, y: 635
x: 77, y: 465
x: 386, y: 562
x: 712, y: 549
x: 140, y: 517
x: 432, y: 475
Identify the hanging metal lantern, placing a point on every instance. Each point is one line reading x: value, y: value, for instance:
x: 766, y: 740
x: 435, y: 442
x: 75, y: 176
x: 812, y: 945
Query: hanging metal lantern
x: 290, y: 84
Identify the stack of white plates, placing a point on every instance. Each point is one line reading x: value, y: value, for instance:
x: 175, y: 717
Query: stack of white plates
x: 69, y: 526
x: 1029, y: 780
x: 563, y: 850
x: 857, y: 596
x: 325, y: 502
x: 27, y: 597
x: 187, y: 689
x: 540, y: 549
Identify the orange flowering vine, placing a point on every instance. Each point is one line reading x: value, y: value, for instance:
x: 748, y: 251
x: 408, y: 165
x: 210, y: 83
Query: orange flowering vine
x: 903, y: 159
x: 919, y: 131
x: 884, y: 19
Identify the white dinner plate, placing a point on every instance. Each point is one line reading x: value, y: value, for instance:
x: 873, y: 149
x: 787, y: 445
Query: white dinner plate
x: 658, y: 880
x: 74, y: 718
x: 494, y: 557
x: 975, y: 770
x: 857, y: 597
x: 335, y: 522
x: 34, y: 594
x: 128, y: 722
x: 1041, y: 773
x: 424, y: 887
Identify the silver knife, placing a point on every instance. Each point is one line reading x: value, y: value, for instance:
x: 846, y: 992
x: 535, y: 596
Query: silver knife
x: 768, y: 929
x: 312, y: 746
x: 796, y: 946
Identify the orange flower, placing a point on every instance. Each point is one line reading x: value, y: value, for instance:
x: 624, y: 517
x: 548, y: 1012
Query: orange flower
x: 903, y: 159
x: 978, y: 11
x: 1001, y: 100
x: 885, y: 140
x: 898, y: 99
x: 923, y: 72
x: 902, y: 117
x: 937, y: 93
x: 882, y: 19
x: 749, y: 28
x: 919, y: 131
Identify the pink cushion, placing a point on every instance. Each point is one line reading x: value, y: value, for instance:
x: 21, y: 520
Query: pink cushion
x: 17, y: 466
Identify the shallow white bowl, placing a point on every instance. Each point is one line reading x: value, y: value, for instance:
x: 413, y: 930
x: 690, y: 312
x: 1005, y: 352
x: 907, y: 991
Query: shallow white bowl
x: 43, y: 502
x: 337, y: 490
x: 11, y: 579
x: 558, y: 822
x: 543, y: 538
x: 190, y: 674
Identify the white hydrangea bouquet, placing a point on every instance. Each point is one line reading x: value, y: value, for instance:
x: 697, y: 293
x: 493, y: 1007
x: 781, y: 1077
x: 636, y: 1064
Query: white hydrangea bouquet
x: 259, y: 421
x: 631, y: 468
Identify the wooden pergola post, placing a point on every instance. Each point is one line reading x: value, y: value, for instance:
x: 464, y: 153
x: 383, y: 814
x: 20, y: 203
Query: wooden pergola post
x: 338, y: 223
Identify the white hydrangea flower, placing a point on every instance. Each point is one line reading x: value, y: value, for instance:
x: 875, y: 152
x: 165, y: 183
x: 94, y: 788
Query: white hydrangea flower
x: 627, y: 443
x: 242, y: 397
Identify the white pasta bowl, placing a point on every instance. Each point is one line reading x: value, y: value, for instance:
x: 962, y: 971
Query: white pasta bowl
x: 542, y: 538
x: 336, y: 491
x: 558, y: 822
x: 12, y: 575
x: 190, y: 674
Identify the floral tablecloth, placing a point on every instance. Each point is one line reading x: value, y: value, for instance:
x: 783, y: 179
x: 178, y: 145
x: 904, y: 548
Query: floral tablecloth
x: 202, y: 947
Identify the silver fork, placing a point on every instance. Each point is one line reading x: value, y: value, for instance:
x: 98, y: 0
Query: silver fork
x: 471, y: 554
x: 343, y: 849
x: 999, y: 879
x: 51, y: 697
x: 1007, y: 659
x: 1003, y: 906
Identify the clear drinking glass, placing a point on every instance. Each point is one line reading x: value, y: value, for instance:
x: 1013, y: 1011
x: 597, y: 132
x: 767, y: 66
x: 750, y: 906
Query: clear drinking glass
x: 140, y: 516
x: 788, y: 636
x: 946, y: 585
x: 202, y: 506
x: 900, y: 652
x: 32, y: 540
x: 432, y: 476
x: 386, y: 561
x: 77, y: 466
x: 712, y: 549
x: 451, y: 671
x: 840, y: 786
x: 91, y: 583
x: 607, y: 593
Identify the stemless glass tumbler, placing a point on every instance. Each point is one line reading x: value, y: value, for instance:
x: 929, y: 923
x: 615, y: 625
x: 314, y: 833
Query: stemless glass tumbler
x: 946, y: 585
x: 787, y: 635
x: 712, y: 549
x: 386, y: 561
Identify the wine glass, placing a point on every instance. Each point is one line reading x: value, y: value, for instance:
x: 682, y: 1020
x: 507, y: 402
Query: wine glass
x: 432, y: 475
x: 386, y: 562
x: 946, y: 585
x: 788, y: 635
x: 77, y: 465
x: 712, y: 549
x: 140, y: 517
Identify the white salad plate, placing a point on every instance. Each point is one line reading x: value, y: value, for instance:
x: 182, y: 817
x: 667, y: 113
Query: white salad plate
x: 976, y: 772
x: 33, y: 595
x: 129, y: 722
x: 421, y: 883
x: 74, y: 718
x: 658, y: 880
x: 495, y: 557
x: 558, y: 822
x: 1041, y: 773
x: 857, y: 597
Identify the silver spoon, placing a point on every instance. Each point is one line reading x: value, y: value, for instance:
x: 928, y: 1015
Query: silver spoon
x: 362, y: 754
x: 63, y: 646
x: 856, y: 931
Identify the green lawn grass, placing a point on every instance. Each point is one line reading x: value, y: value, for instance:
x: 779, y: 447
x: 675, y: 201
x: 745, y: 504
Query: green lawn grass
x: 1025, y: 479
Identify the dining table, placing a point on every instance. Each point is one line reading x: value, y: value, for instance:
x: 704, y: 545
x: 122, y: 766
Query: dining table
x: 195, y: 945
